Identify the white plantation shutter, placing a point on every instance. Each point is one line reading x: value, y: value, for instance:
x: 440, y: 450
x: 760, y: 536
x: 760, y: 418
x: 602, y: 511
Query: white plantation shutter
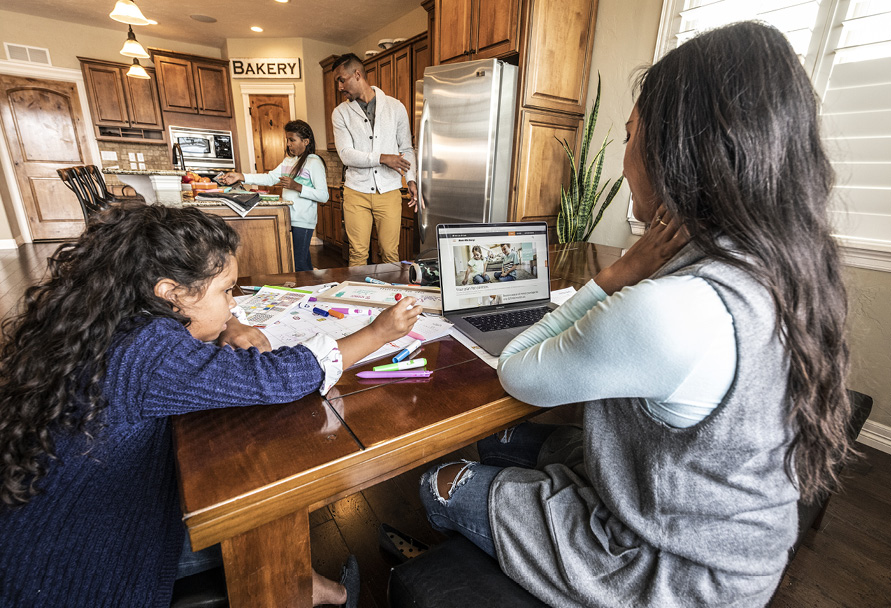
x: 845, y: 45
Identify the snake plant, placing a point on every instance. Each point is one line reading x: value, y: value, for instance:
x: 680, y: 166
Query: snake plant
x: 576, y: 220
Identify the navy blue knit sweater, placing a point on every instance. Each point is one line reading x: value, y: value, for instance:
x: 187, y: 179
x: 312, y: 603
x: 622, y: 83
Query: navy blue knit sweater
x: 107, y: 531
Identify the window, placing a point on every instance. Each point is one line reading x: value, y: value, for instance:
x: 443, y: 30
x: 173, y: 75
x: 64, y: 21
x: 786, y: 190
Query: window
x: 845, y: 46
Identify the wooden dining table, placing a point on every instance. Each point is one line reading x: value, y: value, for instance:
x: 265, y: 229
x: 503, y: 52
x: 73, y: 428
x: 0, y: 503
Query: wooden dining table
x: 249, y: 477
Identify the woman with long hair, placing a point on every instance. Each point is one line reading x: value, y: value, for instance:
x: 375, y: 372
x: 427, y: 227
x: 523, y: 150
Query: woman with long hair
x: 304, y: 186
x: 711, y: 358
x: 119, y: 337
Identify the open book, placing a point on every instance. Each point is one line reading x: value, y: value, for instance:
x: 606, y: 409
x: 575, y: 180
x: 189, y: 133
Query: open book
x: 239, y: 203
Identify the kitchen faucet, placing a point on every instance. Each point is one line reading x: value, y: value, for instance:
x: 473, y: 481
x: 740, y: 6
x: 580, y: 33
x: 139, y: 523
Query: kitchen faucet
x: 182, y: 159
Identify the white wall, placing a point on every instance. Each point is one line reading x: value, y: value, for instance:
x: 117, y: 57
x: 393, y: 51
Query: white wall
x: 410, y: 24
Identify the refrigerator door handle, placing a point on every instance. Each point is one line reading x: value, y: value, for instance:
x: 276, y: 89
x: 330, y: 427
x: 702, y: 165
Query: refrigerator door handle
x: 423, y: 149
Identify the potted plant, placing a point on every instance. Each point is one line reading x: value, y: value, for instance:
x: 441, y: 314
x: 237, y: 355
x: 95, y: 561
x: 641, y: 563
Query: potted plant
x: 576, y: 220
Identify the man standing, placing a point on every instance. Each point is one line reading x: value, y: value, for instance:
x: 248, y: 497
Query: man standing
x: 374, y: 143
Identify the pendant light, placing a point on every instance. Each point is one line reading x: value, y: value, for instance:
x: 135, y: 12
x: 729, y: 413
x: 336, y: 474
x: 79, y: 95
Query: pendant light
x: 132, y: 48
x: 126, y: 11
x: 137, y: 71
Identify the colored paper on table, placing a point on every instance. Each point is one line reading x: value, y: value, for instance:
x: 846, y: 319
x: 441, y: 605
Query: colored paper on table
x: 268, y: 304
x: 369, y: 294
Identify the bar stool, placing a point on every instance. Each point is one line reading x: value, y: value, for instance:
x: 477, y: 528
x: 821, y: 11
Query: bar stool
x: 98, y: 185
x: 88, y: 204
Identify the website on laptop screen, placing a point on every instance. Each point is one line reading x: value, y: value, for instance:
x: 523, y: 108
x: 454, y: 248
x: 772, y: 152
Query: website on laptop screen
x: 489, y: 265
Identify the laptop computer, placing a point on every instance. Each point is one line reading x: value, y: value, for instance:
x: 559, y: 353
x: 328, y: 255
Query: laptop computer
x: 494, y: 279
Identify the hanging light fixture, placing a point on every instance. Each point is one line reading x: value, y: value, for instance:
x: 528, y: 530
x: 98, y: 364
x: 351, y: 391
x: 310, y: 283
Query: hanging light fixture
x: 137, y: 71
x: 126, y: 11
x: 132, y: 48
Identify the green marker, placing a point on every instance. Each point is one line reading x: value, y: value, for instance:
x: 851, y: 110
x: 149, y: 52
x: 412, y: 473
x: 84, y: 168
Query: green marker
x: 398, y: 367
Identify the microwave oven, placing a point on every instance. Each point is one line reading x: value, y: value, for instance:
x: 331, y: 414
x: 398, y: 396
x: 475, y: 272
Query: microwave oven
x: 204, y: 149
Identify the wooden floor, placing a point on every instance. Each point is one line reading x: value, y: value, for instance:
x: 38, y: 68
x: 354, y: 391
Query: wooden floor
x: 845, y: 563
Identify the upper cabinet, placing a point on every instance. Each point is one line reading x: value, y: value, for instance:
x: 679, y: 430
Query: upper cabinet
x: 193, y: 84
x: 122, y: 107
x: 476, y: 29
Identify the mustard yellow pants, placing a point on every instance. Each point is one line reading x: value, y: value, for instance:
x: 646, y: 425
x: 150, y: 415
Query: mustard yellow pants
x: 360, y: 210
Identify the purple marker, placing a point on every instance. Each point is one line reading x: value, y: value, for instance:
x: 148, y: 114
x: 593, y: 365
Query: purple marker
x: 409, y: 373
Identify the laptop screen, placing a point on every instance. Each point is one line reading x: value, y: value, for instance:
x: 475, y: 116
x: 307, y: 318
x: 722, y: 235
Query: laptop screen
x: 492, y: 265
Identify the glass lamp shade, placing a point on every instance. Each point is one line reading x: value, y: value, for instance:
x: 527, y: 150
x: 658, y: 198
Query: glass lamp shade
x: 137, y: 71
x: 132, y: 48
x: 126, y: 11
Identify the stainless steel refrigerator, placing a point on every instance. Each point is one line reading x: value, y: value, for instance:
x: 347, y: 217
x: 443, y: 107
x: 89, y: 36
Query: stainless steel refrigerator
x: 464, y: 115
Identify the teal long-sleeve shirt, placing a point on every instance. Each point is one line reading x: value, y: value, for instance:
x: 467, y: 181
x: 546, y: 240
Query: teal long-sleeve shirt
x: 670, y: 341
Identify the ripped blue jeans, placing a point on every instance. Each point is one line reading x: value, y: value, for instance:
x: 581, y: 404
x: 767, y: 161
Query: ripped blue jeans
x: 466, y: 509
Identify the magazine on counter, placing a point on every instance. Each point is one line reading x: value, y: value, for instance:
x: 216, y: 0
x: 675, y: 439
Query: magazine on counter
x: 239, y: 203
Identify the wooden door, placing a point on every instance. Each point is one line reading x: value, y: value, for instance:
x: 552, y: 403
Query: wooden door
x: 212, y: 89
x: 554, y: 80
x: 496, y: 30
x: 542, y: 166
x: 45, y: 130
x: 453, y: 22
x: 142, y: 99
x: 387, y: 75
x: 176, y: 84
x: 106, y: 94
x: 269, y: 114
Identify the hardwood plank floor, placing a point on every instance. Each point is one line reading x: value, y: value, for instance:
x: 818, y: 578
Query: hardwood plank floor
x: 845, y: 563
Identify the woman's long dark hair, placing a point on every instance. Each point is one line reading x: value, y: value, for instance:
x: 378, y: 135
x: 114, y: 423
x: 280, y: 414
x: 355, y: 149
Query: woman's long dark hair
x: 53, y: 353
x: 732, y: 147
x: 303, y: 131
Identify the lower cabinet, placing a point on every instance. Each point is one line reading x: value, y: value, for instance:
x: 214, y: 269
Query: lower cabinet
x: 330, y: 229
x: 265, y: 233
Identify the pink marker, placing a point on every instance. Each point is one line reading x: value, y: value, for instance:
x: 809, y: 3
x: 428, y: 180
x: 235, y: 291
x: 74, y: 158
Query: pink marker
x: 416, y: 336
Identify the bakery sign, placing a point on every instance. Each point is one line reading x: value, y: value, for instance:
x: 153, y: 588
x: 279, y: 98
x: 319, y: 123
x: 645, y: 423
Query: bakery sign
x: 265, y: 67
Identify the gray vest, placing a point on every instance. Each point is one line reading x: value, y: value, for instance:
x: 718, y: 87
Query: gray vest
x: 631, y: 512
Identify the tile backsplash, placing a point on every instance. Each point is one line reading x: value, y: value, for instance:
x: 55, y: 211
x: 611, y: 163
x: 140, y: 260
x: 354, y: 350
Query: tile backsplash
x: 146, y: 157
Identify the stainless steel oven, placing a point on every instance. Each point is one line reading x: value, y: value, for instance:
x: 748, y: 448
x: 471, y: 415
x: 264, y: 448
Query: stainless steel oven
x: 204, y: 148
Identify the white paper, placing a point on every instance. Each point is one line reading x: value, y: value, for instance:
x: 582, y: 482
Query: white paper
x: 561, y: 295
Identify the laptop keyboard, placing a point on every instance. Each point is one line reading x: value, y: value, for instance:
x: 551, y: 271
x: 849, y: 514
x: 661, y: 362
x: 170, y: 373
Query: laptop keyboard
x: 508, y: 319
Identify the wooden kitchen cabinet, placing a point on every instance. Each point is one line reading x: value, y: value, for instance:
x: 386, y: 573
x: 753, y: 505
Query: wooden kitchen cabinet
x: 192, y: 84
x: 556, y: 77
x: 265, y: 237
x: 540, y: 165
x: 476, y: 29
x: 332, y: 97
x: 122, y: 107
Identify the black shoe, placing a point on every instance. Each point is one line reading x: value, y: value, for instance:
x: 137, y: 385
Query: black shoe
x: 349, y: 578
x: 398, y: 545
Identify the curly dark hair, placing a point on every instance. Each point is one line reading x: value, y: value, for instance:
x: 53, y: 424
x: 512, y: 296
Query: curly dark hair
x: 732, y: 148
x: 53, y: 352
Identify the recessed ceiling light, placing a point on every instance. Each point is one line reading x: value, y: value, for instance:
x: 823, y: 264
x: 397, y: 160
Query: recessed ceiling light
x: 256, y: 29
x: 282, y: 1
x: 203, y: 18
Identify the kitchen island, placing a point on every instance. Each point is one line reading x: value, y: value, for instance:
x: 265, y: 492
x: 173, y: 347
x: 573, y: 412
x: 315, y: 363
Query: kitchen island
x: 156, y: 185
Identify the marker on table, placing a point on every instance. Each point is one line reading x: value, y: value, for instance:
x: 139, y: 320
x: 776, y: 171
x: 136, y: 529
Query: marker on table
x: 375, y: 281
x: 250, y: 287
x: 411, y: 373
x: 320, y: 311
x: 405, y: 352
x: 415, y: 335
x: 336, y: 314
x: 392, y: 367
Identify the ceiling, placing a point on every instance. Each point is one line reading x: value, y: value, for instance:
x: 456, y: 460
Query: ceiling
x: 336, y: 21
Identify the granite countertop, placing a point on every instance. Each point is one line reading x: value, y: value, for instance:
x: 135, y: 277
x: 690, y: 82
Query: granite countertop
x: 137, y: 172
x: 216, y: 204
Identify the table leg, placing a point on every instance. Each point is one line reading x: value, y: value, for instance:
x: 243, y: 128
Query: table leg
x: 270, y: 565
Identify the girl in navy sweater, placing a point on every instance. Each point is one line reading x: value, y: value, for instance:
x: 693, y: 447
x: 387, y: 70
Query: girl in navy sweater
x: 118, y: 338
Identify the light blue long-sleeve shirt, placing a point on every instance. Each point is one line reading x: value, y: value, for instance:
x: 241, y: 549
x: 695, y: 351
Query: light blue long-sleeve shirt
x: 670, y: 341
x: 303, y: 204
